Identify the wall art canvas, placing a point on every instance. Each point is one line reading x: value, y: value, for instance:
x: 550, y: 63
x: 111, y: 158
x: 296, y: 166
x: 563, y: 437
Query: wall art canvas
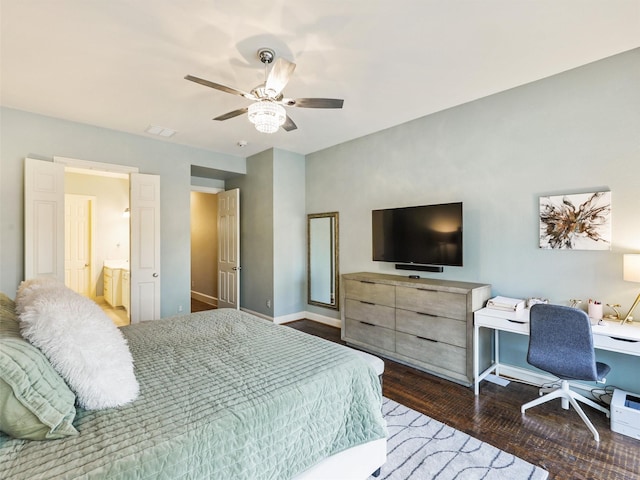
x: 576, y: 222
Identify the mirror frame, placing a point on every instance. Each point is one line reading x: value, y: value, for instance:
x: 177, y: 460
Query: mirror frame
x: 336, y: 259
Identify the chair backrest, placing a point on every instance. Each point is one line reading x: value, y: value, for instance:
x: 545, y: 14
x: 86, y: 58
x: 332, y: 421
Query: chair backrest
x: 561, y: 342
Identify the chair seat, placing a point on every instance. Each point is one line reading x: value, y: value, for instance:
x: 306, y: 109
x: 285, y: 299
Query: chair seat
x: 602, y: 369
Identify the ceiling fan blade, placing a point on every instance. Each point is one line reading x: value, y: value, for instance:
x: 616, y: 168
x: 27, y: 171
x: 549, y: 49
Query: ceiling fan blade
x: 279, y: 76
x: 289, y: 125
x: 218, y: 86
x: 235, y: 113
x: 314, y: 102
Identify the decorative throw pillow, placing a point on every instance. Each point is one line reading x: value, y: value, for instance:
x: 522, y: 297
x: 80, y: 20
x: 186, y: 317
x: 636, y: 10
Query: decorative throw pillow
x: 35, y: 402
x: 27, y: 288
x: 82, y: 344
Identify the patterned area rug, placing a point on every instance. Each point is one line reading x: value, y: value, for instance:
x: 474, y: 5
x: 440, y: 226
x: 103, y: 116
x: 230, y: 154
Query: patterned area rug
x: 421, y: 448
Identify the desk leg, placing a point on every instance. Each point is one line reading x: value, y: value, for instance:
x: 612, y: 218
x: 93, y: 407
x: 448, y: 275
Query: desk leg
x: 476, y: 360
x: 496, y: 351
x: 495, y: 358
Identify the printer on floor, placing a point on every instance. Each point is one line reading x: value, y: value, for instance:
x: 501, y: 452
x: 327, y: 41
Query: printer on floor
x: 625, y: 413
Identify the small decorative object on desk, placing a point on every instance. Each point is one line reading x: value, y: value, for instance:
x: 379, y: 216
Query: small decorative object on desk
x: 535, y: 300
x: 615, y: 307
x: 595, y: 310
x: 506, y: 304
x: 575, y: 302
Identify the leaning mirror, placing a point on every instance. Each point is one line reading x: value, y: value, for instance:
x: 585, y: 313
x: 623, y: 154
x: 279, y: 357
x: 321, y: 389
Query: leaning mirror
x: 322, y: 259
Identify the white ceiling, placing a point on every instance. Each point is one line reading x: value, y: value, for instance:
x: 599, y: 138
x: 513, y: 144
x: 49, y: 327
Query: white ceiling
x: 120, y: 64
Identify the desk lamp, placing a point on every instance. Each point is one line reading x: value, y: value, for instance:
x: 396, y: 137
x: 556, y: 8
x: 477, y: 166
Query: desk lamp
x: 631, y: 273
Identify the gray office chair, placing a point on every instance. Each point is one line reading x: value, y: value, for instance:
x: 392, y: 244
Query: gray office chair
x: 561, y: 343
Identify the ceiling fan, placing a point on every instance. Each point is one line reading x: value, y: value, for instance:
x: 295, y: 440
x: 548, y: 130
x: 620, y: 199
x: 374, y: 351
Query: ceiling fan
x: 267, y: 112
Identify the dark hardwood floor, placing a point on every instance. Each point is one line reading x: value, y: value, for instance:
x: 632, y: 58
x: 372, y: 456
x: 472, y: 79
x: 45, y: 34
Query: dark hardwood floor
x: 547, y: 436
x: 198, y: 306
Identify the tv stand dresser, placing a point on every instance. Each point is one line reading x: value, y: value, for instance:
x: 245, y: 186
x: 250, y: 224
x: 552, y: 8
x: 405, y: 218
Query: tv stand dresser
x: 421, y: 322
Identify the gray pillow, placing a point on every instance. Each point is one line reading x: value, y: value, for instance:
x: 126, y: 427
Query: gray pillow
x: 35, y: 402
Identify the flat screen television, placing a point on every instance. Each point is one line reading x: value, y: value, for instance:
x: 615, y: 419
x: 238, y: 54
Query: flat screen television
x: 424, y: 235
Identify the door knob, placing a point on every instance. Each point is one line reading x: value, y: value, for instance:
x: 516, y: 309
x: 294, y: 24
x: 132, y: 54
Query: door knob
x: 155, y: 275
x: 236, y: 268
x: 86, y: 264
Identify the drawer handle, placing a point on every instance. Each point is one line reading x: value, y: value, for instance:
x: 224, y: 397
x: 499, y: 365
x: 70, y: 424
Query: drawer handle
x: 367, y: 323
x: 367, y: 281
x: 427, y: 339
x: 426, y: 290
x: 624, y: 340
x: 516, y: 321
x: 367, y: 303
x: 427, y: 314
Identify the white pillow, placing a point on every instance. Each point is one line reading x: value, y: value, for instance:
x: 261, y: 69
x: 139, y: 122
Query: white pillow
x: 28, y: 287
x: 81, y: 342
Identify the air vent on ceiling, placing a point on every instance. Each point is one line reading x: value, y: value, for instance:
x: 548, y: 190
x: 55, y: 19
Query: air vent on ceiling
x: 160, y: 131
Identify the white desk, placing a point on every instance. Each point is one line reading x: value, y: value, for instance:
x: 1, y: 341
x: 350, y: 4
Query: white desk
x: 612, y: 336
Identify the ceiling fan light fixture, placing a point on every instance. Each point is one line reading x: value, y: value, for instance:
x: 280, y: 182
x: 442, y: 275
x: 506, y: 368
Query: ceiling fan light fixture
x: 267, y: 116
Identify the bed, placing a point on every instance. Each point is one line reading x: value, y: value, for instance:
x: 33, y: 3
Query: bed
x: 222, y: 394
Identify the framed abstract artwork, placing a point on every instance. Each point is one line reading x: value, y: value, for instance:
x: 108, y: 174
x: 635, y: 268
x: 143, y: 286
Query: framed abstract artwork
x: 579, y: 221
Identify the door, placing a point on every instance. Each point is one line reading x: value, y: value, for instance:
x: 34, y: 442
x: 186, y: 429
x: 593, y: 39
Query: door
x: 44, y: 219
x: 78, y: 243
x: 229, y: 249
x: 145, y: 247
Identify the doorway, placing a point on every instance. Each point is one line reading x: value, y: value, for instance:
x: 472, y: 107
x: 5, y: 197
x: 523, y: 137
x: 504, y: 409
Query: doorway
x: 204, y: 249
x: 44, y: 184
x: 215, y: 248
x: 97, y: 234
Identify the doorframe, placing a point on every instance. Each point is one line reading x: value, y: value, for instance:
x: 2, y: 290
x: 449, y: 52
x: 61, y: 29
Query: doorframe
x: 103, y: 168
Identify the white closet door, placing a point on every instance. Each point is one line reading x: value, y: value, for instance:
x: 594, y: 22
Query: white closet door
x: 229, y: 249
x: 44, y: 219
x: 145, y: 247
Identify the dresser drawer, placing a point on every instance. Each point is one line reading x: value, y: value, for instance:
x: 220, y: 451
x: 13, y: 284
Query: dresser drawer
x: 370, y: 334
x: 370, y: 313
x: 443, y: 329
x: 426, y: 300
x: 435, y: 353
x: 378, y: 293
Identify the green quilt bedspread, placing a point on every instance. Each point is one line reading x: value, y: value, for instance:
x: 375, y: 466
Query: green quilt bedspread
x: 224, y: 395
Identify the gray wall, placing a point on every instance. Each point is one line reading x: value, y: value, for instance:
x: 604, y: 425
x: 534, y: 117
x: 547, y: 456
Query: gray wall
x: 289, y: 225
x: 256, y: 232
x: 575, y: 132
x: 28, y: 135
x: 272, y: 233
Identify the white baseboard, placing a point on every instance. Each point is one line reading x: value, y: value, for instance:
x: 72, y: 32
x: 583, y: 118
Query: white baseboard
x: 537, y: 379
x: 524, y: 375
x: 208, y: 299
x: 292, y: 317
x: 334, y: 322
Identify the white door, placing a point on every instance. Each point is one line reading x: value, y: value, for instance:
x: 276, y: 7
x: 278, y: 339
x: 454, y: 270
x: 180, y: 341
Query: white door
x: 145, y: 247
x: 78, y: 225
x: 44, y: 219
x: 229, y: 249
